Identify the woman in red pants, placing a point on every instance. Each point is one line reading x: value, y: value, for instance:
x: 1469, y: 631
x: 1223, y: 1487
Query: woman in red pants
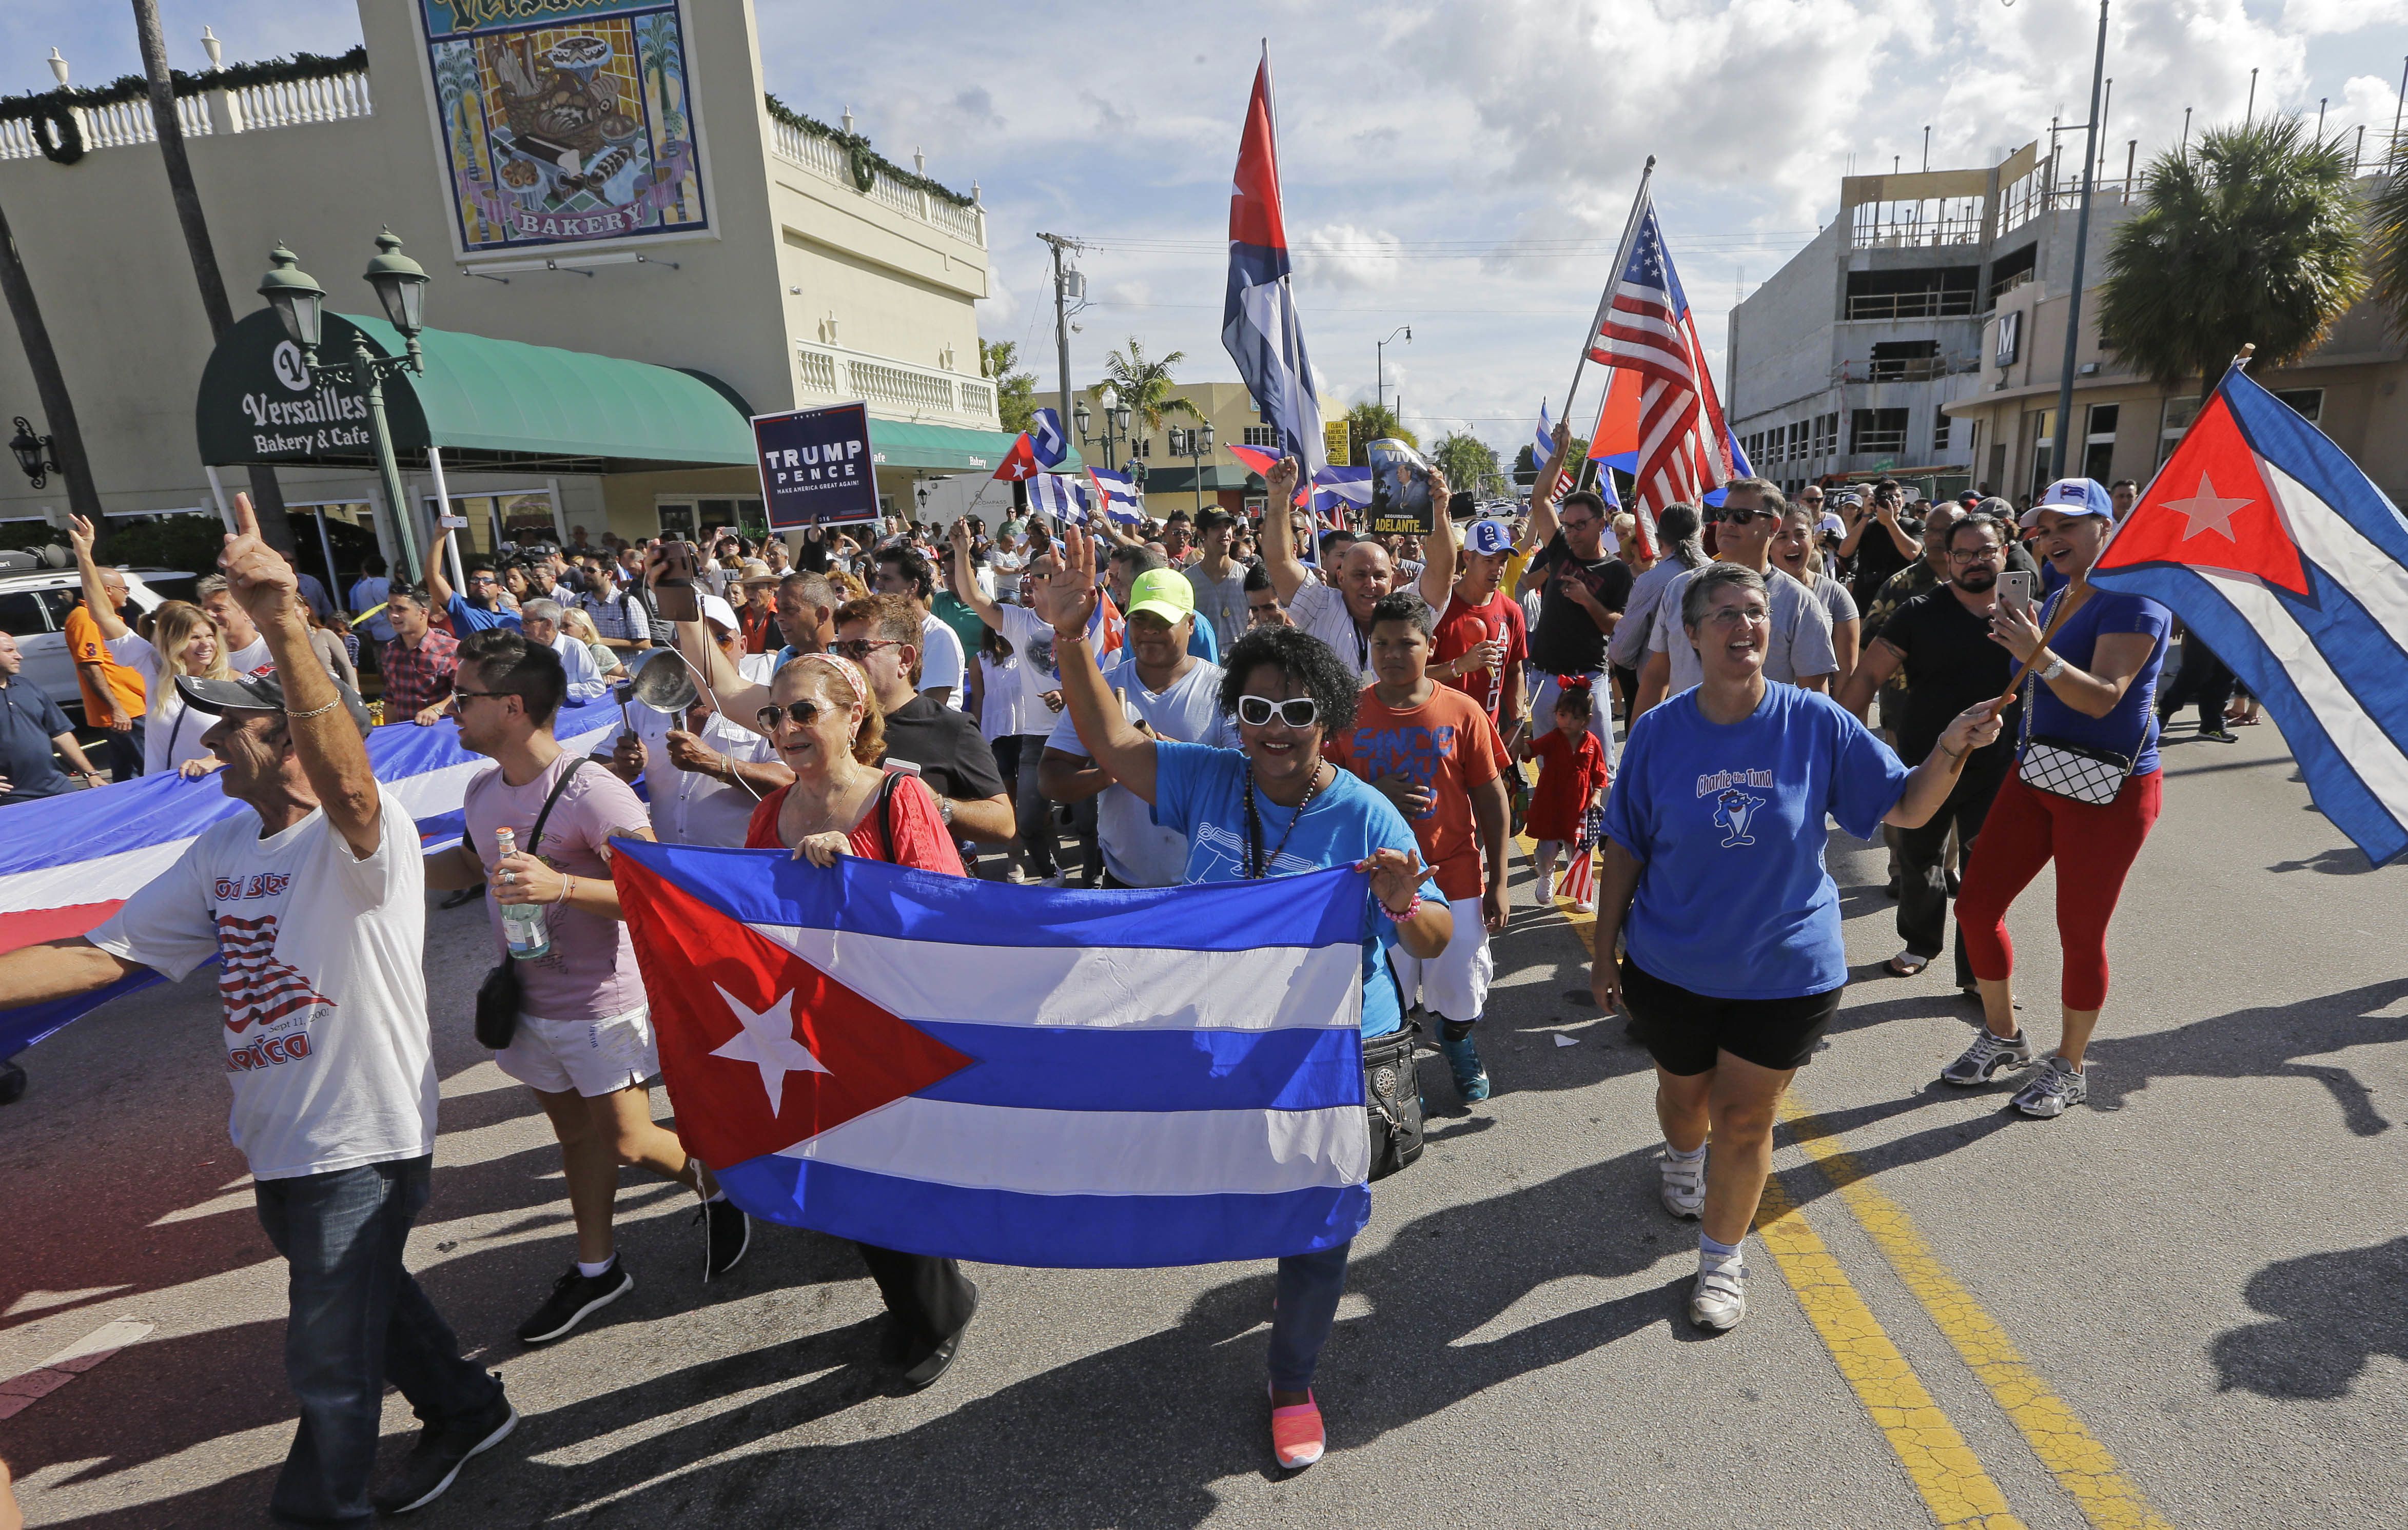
x: 2083, y: 793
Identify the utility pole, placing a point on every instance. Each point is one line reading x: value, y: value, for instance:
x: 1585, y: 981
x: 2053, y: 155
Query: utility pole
x: 2081, y: 248
x: 1062, y: 293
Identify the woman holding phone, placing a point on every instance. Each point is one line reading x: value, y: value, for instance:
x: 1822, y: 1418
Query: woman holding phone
x: 1285, y: 810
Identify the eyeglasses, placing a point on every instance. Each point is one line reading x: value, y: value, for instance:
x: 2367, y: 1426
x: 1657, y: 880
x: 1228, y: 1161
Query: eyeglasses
x: 802, y: 714
x: 1741, y: 518
x: 1582, y: 525
x: 472, y: 696
x: 1296, y: 713
x: 1973, y: 554
x: 859, y: 649
x: 482, y: 579
x: 1739, y: 616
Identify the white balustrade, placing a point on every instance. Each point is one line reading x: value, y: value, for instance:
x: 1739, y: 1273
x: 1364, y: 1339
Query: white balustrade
x: 291, y: 102
x: 826, y: 159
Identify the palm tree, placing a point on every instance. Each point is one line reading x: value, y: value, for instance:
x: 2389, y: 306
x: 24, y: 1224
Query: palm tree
x: 2387, y: 256
x: 1015, y: 390
x: 1368, y: 422
x: 267, y: 494
x: 1144, y: 386
x: 2251, y: 234
x: 1468, y: 461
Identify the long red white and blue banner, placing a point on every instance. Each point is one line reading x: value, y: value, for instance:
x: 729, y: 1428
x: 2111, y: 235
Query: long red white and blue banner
x: 2271, y: 546
x: 69, y: 862
x: 1015, y: 1074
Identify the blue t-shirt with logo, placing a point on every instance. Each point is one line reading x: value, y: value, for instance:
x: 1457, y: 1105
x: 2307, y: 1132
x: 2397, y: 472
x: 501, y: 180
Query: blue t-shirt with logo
x: 1201, y: 792
x: 467, y: 619
x: 1727, y: 821
x: 2131, y: 728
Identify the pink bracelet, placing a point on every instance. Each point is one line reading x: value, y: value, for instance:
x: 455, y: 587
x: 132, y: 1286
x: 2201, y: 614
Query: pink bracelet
x: 1410, y: 908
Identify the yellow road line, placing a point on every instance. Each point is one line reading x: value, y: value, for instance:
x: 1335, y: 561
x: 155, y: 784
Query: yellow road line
x: 1936, y: 1458
x: 2073, y: 1455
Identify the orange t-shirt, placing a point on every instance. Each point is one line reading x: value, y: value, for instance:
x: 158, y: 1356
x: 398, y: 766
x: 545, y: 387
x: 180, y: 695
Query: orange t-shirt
x: 1446, y: 746
x: 85, y: 646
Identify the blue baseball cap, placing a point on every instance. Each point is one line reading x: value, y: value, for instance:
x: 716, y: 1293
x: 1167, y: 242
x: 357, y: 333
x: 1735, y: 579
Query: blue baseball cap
x: 2071, y: 497
x: 1488, y: 538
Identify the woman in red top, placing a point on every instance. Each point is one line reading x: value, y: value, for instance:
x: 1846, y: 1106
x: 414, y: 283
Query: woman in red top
x: 1571, y: 777
x: 824, y: 721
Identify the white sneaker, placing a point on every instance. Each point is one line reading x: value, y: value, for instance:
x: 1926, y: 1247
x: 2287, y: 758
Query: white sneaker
x: 1684, y: 1186
x: 1583, y: 906
x: 2055, y: 1089
x: 1719, y: 1299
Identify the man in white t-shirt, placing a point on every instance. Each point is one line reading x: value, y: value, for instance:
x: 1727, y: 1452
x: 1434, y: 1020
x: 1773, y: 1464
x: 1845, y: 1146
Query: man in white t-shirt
x: 1029, y: 627
x: 902, y: 571
x: 1338, y: 610
x: 1800, y: 652
x: 1165, y: 689
x: 313, y: 901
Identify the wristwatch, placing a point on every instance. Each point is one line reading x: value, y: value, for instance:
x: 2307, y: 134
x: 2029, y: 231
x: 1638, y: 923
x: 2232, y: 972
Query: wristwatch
x: 2056, y: 667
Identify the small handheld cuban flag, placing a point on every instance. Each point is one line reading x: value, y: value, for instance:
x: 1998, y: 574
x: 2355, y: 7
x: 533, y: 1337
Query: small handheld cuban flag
x: 1046, y: 440
x: 1060, y: 495
x: 1337, y: 490
x: 1543, y: 446
x: 1118, y: 496
x: 1013, y: 1074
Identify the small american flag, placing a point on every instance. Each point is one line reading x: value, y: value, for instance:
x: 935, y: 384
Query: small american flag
x: 1577, y: 881
x: 1645, y: 327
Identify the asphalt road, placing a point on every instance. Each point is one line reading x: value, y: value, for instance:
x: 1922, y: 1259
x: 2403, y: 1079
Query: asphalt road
x: 2185, y: 1304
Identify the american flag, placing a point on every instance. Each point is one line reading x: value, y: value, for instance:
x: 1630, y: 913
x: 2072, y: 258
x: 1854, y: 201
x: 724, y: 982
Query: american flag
x: 1645, y: 326
x: 1577, y: 881
x: 258, y: 990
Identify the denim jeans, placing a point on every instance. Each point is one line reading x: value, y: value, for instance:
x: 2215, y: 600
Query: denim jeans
x: 1309, y: 1287
x: 357, y: 1321
x: 1923, y: 920
x: 1016, y: 756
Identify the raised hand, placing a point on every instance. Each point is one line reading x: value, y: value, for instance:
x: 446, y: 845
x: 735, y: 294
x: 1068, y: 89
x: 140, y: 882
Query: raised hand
x: 1282, y: 479
x: 263, y: 584
x: 1396, y: 874
x: 1070, y: 585
x: 80, y: 535
x: 1436, y: 478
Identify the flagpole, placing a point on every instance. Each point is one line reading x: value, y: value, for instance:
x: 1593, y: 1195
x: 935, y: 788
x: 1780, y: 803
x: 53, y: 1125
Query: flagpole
x: 1613, y: 279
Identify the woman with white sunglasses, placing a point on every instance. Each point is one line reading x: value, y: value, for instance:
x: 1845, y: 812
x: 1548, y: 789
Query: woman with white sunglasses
x: 1270, y: 808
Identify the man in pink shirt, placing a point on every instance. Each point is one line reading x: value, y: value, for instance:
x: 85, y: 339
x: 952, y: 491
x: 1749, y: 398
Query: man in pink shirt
x: 583, y: 1040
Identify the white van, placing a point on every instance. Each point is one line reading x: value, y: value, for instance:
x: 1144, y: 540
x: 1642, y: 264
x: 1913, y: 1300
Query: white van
x: 33, y: 606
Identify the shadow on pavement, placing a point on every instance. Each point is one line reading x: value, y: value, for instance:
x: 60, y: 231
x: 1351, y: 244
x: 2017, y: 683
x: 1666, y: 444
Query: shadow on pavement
x: 2332, y: 1313
x: 2262, y: 1043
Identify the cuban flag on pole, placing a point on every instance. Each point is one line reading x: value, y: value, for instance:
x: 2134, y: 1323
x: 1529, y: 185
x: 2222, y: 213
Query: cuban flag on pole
x: 69, y: 862
x: 1543, y: 445
x: 1337, y: 490
x: 1060, y: 495
x: 1258, y: 321
x: 1019, y: 1076
x: 1118, y: 496
x: 1046, y: 440
x: 2267, y: 540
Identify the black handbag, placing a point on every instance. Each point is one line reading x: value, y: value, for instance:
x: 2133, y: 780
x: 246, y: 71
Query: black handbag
x: 498, y: 996
x: 1392, y: 1097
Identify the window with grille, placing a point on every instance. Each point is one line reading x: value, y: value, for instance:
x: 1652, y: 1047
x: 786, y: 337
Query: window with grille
x: 1827, y: 434
x: 1940, y: 425
x: 1262, y: 436
x: 1876, y: 431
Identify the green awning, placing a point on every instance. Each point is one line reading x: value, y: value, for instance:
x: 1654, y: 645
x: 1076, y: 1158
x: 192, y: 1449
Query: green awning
x: 911, y: 443
x: 484, y: 402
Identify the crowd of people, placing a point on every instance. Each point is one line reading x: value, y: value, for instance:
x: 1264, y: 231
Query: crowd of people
x: 1675, y: 726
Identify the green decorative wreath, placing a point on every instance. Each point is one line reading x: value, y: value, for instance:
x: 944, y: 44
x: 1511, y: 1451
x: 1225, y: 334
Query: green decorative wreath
x: 52, y: 116
x: 864, y: 167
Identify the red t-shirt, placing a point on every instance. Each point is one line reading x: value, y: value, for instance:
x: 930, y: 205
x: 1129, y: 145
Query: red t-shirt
x: 1464, y: 627
x: 920, y: 836
x: 1447, y: 746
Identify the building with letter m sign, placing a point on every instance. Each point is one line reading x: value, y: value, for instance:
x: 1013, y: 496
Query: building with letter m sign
x: 815, y: 466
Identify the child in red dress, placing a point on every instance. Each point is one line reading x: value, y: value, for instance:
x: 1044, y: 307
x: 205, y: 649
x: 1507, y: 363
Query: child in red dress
x: 1571, y: 779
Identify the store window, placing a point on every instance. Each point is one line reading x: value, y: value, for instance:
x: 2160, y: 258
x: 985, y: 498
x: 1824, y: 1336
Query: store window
x: 1262, y: 436
x: 692, y: 518
x: 2179, y: 413
x: 2040, y: 429
x: 2099, y: 442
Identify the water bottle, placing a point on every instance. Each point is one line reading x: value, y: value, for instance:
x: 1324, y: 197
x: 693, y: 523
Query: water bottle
x: 522, y: 929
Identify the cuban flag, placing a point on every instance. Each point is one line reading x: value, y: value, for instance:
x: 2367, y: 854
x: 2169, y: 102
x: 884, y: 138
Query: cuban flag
x: 1261, y: 460
x: 1337, y: 490
x: 1119, y: 497
x: 1046, y: 440
x: 1544, y: 444
x: 69, y: 862
x: 1060, y: 495
x: 1018, y: 1076
x: 1258, y: 320
x: 1741, y: 468
x: 1019, y: 464
x: 2267, y: 540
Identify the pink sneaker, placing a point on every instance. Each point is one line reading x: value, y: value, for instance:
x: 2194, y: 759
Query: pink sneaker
x: 1297, y: 1437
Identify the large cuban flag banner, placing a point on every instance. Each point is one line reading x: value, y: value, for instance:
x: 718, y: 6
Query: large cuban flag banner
x: 1013, y: 1074
x: 69, y: 862
x: 2271, y: 546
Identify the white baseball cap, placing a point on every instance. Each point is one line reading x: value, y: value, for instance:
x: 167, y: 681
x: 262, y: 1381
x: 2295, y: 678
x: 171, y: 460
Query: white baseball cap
x: 717, y: 611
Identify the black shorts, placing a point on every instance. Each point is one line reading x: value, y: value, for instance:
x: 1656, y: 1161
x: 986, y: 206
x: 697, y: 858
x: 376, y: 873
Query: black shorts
x: 1683, y: 1031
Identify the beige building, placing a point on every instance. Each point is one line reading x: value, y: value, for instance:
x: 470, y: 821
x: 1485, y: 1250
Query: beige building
x: 670, y: 214
x: 1185, y: 482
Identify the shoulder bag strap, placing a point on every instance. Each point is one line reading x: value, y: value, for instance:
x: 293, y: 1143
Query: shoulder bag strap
x: 535, y: 836
x: 885, y: 814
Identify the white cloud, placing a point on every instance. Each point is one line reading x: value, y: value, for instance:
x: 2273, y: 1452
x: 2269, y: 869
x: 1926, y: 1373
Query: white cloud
x: 2311, y: 17
x: 1344, y: 256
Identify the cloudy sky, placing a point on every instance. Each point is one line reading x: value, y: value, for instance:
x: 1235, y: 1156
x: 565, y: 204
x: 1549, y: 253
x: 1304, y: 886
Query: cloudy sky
x: 1461, y: 167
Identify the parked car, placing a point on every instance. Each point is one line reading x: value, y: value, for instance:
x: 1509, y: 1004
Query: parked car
x: 33, y: 606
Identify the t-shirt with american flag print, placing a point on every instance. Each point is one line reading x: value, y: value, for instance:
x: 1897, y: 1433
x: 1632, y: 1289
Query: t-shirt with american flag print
x: 321, y: 979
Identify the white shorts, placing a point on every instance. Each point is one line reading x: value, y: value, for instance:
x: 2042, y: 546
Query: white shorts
x: 1453, y: 984
x: 588, y: 1057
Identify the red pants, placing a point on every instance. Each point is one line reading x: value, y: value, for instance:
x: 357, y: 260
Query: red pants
x: 2093, y: 847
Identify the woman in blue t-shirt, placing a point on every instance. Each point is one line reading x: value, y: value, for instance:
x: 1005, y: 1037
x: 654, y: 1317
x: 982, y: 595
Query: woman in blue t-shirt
x: 1713, y: 876
x: 1269, y: 807
x: 2091, y: 686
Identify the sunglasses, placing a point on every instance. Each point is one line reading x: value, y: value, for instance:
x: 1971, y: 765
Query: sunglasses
x: 1296, y: 713
x: 1742, y: 518
x: 860, y: 648
x: 802, y: 714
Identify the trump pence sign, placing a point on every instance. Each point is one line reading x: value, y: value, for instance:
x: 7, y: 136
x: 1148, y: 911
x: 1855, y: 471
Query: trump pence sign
x: 815, y: 466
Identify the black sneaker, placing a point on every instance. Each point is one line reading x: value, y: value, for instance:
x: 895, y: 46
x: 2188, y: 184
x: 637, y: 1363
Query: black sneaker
x: 438, y: 1455
x: 727, y: 1233
x: 938, y: 1361
x: 574, y: 1298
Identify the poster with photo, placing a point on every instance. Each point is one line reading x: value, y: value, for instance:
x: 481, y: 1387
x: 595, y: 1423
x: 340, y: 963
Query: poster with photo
x: 562, y: 122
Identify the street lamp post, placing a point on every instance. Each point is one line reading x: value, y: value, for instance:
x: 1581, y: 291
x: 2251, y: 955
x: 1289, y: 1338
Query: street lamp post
x: 1115, y: 417
x: 1379, y: 364
x: 400, y: 285
x: 1195, y: 444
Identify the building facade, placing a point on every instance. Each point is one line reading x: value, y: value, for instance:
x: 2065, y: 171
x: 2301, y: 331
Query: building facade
x: 670, y: 212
